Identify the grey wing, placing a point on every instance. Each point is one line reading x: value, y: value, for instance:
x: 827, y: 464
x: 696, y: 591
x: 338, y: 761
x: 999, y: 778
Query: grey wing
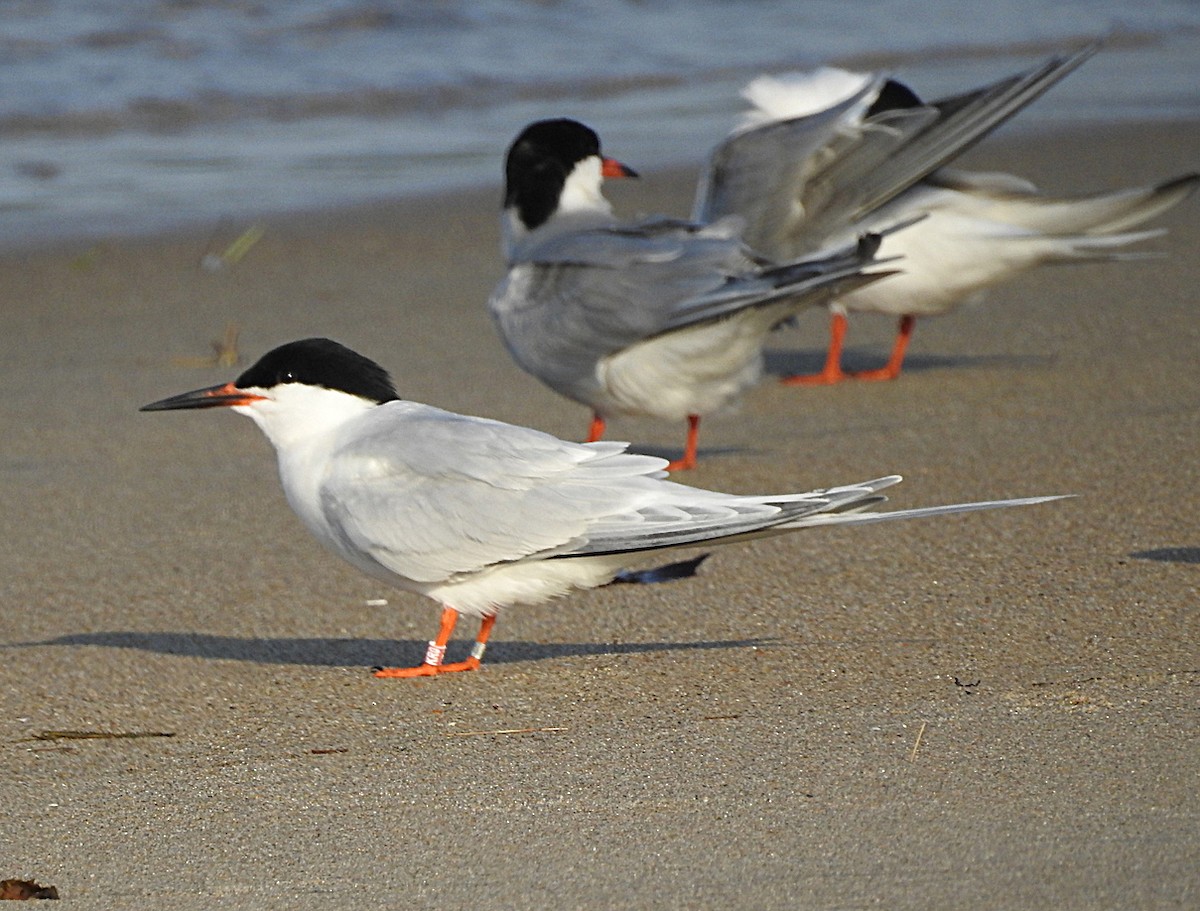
x: 594, y: 293
x: 811, y: 281
x: 679, y: 516
x: 773, y: 175
x: 579, y: 298
x: 432, y: 495
x: 839, y: 171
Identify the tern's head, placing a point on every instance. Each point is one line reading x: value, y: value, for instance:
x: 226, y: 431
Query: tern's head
x: 555, y: 166
x: 296, y: 389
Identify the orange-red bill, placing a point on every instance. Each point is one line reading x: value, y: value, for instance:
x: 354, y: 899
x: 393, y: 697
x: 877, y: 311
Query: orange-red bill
x: 223, y: 396
x: 610, y: 167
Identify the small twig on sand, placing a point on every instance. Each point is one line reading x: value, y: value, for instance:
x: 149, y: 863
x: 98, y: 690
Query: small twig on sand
x: 99, y: 735
x: 912, y: 757
x: 506, y: 731
x: 232, y: 255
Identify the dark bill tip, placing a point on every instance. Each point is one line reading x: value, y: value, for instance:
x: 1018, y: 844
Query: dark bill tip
x: 610, y: 168
x: 211, y: 397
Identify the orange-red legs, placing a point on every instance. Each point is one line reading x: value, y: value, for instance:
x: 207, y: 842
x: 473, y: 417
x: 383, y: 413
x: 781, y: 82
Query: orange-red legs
x: 892, y: 369
x: 596, y: 431
x: 436, y: 650
x: 832, y: 371
x: 689, y: 448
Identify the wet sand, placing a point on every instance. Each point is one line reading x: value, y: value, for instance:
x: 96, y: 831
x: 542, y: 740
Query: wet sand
x: 997, y: 709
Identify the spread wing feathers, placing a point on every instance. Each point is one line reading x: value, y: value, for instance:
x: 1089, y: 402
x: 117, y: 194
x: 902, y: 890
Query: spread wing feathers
x: 769, y: 175
x: 801, y: 180
x: 583, y: 296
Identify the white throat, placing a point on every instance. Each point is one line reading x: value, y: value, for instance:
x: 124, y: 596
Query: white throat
x: 293, y: 414
x: 581, y: 205
x: 582, y: 190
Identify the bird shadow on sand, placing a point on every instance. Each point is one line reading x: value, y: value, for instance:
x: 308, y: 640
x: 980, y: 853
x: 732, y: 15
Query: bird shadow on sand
x: 327, y: 652
x: 792, y: 363
x: 1169, y: 555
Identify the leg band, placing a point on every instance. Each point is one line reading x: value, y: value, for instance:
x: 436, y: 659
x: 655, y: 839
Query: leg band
x: 434, y: 653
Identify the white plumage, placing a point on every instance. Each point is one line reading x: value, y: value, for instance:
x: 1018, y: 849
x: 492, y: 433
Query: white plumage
x: 480, y: 515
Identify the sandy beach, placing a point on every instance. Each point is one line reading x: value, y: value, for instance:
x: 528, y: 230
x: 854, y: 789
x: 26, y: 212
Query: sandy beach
x: 997, y: 709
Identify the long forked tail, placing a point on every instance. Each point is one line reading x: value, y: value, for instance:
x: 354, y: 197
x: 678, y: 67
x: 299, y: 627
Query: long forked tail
x: 866, y: 518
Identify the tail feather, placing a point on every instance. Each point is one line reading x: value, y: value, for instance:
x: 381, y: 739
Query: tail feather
x: 1148, y: 203
x: 1102, y: 248
x: 1096, y: 214
x: 866, y: 518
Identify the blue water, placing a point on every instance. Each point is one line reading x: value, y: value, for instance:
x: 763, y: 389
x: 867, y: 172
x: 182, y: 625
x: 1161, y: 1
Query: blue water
x: 133, y: 115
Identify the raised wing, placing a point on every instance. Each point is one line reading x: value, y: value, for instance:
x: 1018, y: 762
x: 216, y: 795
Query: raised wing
x: 802, y: 182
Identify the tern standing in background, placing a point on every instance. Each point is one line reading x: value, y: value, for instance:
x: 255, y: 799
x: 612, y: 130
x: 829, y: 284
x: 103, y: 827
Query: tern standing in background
x: 660, y: 317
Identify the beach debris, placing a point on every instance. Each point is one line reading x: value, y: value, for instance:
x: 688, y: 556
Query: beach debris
x: 505, y: 731
x: 225, y: 351
x: 232, y: 254
x: 912, y: 757
x: 99, y: 735
x: 669, y: 572
x: 24, y: 889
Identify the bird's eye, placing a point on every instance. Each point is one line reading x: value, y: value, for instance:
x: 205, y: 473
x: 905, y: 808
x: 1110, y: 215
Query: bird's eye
x: 288, y: 376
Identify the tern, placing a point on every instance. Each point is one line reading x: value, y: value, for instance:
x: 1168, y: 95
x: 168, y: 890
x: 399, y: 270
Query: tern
x: 827, y: 155
x: 658, y: 317
x: 480, y: 515
x: 668, y: 319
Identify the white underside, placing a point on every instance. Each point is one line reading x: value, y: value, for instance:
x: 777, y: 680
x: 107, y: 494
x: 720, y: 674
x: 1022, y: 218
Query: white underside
x: 700, y: 370
x: 535, y: 582
x: 968, y: 243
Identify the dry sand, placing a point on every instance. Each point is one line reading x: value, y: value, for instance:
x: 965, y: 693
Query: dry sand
x: 998, y: 710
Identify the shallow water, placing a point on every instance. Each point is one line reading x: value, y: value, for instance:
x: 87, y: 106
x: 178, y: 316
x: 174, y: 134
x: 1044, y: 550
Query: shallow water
x: 133, y: 116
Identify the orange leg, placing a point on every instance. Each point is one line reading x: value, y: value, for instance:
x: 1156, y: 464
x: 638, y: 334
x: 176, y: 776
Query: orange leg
x: 892, y: 369
x: 832, y: 372
x: 596, y: 431
x: 432, y: 665
x: 689, y: 448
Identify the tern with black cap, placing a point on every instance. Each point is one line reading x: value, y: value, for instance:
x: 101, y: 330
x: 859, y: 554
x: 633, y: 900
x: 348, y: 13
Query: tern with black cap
x: 479, y: 515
